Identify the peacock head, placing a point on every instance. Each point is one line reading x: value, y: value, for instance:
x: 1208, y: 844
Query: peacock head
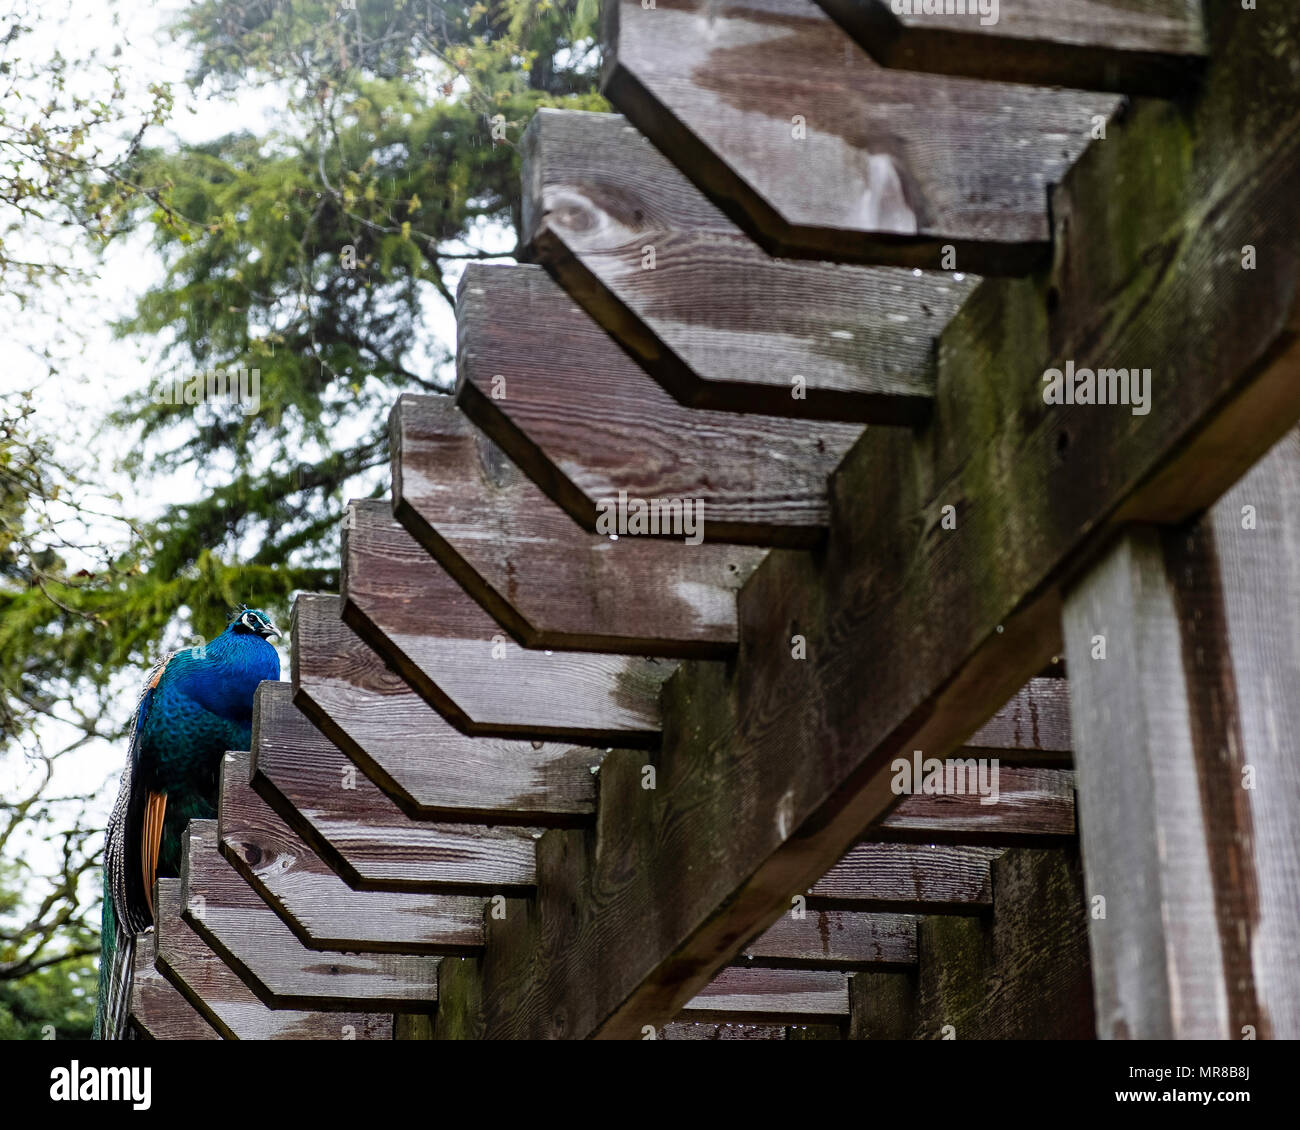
x: 244, y: 620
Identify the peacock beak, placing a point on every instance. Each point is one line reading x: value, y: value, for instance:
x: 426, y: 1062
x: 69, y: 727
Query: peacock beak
x: 271, y: 630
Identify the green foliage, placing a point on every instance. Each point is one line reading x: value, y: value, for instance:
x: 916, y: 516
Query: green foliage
x: 57, y: 1002
x: 396, y: 145
x: 311, y: 253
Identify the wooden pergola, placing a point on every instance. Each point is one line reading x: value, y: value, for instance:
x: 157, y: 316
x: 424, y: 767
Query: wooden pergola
x: 531, y: 780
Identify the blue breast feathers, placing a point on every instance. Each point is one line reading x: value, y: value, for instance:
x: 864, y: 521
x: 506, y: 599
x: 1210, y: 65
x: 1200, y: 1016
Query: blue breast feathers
x: 221, y: 676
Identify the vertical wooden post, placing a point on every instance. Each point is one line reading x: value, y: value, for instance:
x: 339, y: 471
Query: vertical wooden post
x: 1183, y: 652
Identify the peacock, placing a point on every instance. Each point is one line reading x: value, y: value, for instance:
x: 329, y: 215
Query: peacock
x: 196, y: 705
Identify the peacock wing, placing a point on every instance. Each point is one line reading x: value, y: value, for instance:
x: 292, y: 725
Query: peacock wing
x: 134, y: 836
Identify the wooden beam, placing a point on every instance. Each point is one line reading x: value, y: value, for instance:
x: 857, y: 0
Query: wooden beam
x: 711, y: 316
x: 1155, y: 48
x: 1033, y: 728
x: 544, y: 579
x: 834, y: 939
x: 414, y: 615
x: 915, y: 633
x: 283, y: 973
x: 882, y: 1006
x: 1031, y: 805
x: 566, y: 404
x: 208, y: 985
x: 158, y: 1010
x: 1021, y: 973
x: 1184, y: 651
x: 815, y: 149
x: 315, y: 903
x: 358, y: 829
x: 772, y: 996
x: 913, y: 878
x: 695, y: 1030
x: 408, y: 748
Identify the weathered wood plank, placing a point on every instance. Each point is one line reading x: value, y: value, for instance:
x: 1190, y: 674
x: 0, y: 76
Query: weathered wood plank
x: 1261, y: 607
x: 1189, y: 786
x: 358, y: 829
x: 688, y: 1030
x: 772, y: 995
x: 209, y: 985
x: 460, y: 981
x: 283, y: 973
x: 411, y: 751
x: 816, y: 149
x: 1033, y: 728
x: 1021, y: 975
x: 415, y: 616
x: 1031, y: 805
x: 158, y: 1010
x: 1145, y: 837
x: 835, y: 939
x: 1154, y: 48
x: 543, y: 578
x: 695, y: 1030
x: 912, y: 878
x: 567, y: 404
x: 315, y: 903
x: 712, y: 317
x: 915, y: 632
x: 882, y: 1006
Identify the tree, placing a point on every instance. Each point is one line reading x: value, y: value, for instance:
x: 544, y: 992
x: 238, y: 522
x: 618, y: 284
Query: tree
x: 312, y: 254
x: 55, y: 139
x: 58, y: 1002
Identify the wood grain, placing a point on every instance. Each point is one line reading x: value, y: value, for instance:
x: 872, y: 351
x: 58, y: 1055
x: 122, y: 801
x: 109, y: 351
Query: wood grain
x: 412, y: 612
x: 1261, y: 610
x: 834, y: 939
x: 1032, y: 805
x: 573, y: 405
x: 544, y: 579
x: 914, y: 878
x: 358, y: 829
x: 712, y: 317
x: 772, y: 995
x: 1033, y: 728
x: 315, y: 903
x: 1153, y: 48
x: 209, y: 985
x: 283, y: 973
x: 158, y: 1010
x: 1020, y: 973
x: 917, y: 633
x: 693, y: 1030
x: 407, y: 747
x: 1197, y: 861
x: 892, y: 166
